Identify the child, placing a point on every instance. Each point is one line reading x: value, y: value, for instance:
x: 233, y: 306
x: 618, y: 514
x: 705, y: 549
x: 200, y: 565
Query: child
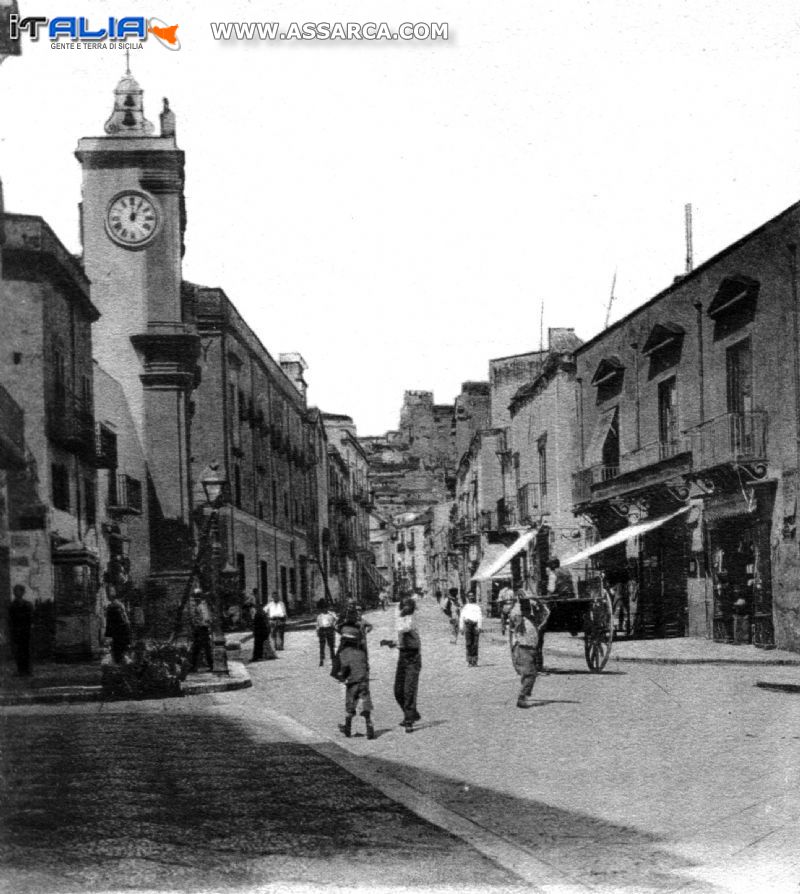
x: 528, y: 618
x: 354, y: 673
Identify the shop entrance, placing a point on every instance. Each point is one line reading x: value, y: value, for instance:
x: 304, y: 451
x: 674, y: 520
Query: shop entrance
x: 662, y: 595
x: 741, y: 576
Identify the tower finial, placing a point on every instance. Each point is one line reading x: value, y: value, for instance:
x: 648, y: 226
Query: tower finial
x: 128, y: 63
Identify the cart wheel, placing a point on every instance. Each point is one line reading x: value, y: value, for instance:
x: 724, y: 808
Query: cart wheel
x: 599, y: 633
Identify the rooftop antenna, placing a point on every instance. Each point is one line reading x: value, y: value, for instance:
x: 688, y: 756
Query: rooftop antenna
x: 611, y: 299
x: 689, y: 250
x: 128, y: 62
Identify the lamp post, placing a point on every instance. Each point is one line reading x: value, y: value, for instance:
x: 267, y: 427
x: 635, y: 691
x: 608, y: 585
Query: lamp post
x: 214, y: 485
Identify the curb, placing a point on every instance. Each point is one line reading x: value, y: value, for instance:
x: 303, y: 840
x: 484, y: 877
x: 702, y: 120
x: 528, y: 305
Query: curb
x: 779, y: 687
x: 741, y: 662
x: 238, y: 678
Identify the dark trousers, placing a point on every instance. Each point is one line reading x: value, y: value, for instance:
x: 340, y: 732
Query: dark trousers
x: 202, y: 643
x: 354, y: 693
x: 258, y: 646
x: 118, y: 649
x: 406, y: 681
x: 524, y: 658
x: 327, y: 636
x: 276, y: 628
x: 471, y: 637
x: 22, y: 653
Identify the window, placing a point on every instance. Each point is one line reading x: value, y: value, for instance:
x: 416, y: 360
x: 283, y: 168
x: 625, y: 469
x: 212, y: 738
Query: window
x: 86, y: 393
x: 91, y: 501
x: 284, y: 586
x: 263, y: 570
x: 286, y: 504
x: 667, y: 413
x: 515, y: 465
x: 292, y: 581
x: 542, y: 451
x: 242, y: 572
x: 260, y: 510
x: 237, y: 487
x: 60, y: 486
x: 610, y: 452
x: 739, y: 368
x: 108, y: 447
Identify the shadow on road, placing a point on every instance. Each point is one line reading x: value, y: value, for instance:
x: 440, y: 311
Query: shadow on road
x: 194, y: 801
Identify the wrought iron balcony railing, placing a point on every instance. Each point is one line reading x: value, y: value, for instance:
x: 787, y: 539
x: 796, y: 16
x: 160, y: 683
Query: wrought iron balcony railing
x: 70, y: 421
x: 124, y: 495
x: 730, y: 438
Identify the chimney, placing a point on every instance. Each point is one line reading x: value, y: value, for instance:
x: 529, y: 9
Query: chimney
x: 294, y: 366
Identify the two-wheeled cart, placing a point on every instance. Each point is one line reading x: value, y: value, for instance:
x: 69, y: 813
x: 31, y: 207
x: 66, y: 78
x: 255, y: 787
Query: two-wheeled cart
x: 590, y: 613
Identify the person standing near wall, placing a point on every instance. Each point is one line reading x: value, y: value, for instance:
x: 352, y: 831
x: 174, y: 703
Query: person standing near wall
x: 260, y: 633
x: 118, y: 629
x: 201, y: 631
x: 20, y: 621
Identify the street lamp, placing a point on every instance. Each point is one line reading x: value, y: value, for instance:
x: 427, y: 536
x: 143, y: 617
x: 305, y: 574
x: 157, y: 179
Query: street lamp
x: 214, y: 485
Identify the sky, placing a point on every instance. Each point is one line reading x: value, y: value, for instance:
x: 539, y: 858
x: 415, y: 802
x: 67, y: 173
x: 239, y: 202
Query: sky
x: 401, y: 212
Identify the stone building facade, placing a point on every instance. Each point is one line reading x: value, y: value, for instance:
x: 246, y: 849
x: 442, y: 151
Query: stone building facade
x: 691, y: 403
x: 47, y: 371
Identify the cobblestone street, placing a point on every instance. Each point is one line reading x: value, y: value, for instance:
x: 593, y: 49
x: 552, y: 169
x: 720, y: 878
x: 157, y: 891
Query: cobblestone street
x: 642, y: 778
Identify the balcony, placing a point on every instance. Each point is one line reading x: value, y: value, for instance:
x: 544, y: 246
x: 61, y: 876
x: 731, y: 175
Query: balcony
x: 124, y: 495
x: 463, y: 532
x: 531, y: 501
x: 584, y: 480
x: 70, y: 422
x: 343, y: 506
x: 728, y: 439
x: 654, y: 452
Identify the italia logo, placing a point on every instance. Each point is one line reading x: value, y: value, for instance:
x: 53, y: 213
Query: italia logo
x: 79, y: 28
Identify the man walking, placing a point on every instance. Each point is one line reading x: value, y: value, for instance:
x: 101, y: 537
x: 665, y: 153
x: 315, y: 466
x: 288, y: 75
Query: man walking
x: 276, y: 612
x: 527, y: 618
x: 409, y: 663
x: 470, y: 622
x: 20, y: 620
x: 326, y: 631
x: 506, y: 599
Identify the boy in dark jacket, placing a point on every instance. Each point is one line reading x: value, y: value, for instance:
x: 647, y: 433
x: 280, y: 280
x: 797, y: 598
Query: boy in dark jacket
x: 354, y: 673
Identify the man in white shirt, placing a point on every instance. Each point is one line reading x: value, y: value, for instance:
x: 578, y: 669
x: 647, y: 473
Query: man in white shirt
x: 276, y: 612
x: 506, y: 599
x: 201, y: 631
x: 469, y: 623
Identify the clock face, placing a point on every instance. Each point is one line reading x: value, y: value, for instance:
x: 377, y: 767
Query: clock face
x: 132, y: 219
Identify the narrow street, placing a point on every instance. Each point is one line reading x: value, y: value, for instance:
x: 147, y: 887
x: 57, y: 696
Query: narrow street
x: 645, y: 777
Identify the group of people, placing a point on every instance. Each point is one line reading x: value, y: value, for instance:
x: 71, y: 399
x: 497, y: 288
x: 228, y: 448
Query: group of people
x: 522, y: 615
x: 350, y: 662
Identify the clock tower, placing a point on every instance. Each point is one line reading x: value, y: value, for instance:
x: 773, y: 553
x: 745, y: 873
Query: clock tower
x: 132, y: 226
